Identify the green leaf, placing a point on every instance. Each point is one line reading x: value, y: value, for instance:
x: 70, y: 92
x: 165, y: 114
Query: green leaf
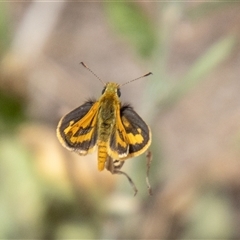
x: 129, y: 20
x: 216, y: 54
x: 11, y: 112
x: 4, y: 27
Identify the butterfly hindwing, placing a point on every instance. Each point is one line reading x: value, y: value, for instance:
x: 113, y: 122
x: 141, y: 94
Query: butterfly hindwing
x: 77, y: 130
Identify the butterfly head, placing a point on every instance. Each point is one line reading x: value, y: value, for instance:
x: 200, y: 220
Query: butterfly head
x: 111, y: 89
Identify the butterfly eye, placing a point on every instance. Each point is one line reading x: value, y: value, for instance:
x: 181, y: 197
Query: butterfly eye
x: 103, y: 90
x: 118, y: 92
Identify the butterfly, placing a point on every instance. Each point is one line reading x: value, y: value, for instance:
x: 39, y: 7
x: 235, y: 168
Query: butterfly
x: 115, y: 130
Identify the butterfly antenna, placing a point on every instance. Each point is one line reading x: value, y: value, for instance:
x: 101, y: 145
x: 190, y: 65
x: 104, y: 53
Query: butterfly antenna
x: 93, y: 73
x: 145, y: 75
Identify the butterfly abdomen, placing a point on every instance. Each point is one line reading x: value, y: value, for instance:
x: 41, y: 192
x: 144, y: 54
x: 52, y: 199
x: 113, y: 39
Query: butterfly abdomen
x: 105, y: 130
x: 106, y: 124
x: 102, y: 155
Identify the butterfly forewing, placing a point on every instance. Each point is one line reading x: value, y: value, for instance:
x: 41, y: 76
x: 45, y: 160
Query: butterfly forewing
x: 132, y: 135
x: 77, y: 130
x: 118, y: 141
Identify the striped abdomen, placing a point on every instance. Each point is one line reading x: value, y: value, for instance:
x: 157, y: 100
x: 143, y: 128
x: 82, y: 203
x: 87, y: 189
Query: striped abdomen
x: 106, y: 124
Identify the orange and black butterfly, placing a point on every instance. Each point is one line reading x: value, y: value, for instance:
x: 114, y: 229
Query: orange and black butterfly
x: 116, y: 130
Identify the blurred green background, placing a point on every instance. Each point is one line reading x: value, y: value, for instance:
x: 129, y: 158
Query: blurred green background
x: 191, y: 102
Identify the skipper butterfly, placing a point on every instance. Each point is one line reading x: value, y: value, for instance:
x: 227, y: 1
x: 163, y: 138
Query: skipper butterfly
x: 116, y: 130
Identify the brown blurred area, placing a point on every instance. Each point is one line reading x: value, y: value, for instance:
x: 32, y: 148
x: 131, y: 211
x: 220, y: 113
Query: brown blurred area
x: 191, y: 102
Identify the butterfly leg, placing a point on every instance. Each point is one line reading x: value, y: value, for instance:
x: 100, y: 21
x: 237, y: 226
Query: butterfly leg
x: 115, y: 166
x: 149, y: 160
